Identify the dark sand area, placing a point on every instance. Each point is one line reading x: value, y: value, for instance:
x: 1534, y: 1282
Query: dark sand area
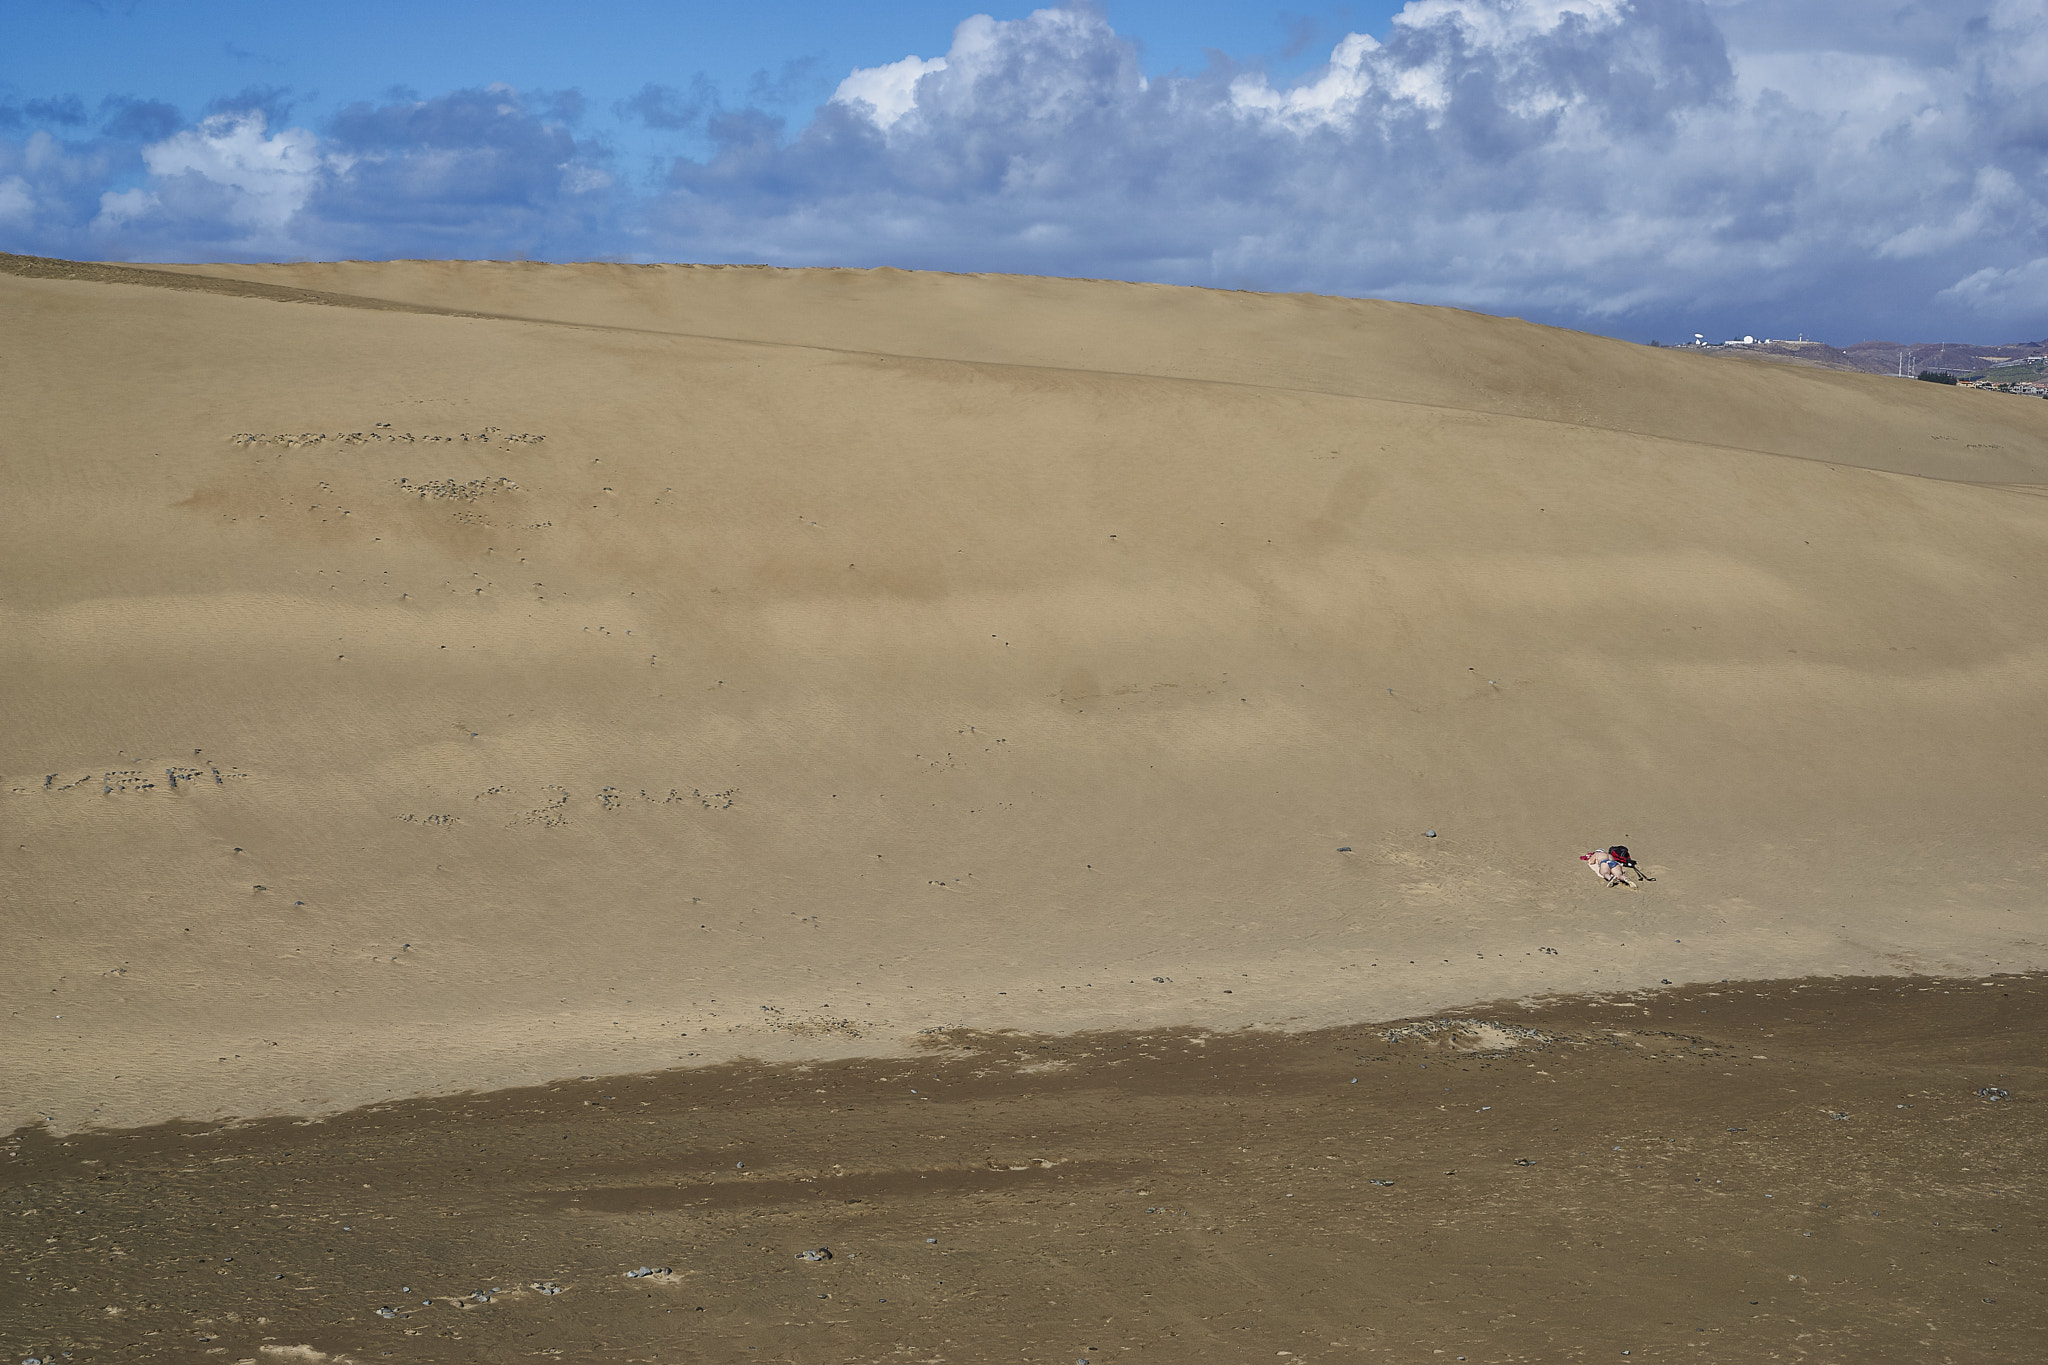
x: 1806, y: 1170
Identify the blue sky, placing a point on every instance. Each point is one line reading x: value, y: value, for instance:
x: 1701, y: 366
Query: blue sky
x: 189, y: 54
x: 785, y: 58
x: 1645, y: 168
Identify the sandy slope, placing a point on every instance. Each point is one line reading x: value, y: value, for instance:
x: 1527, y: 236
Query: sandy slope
x: 552, y: 699
x: 1358, y: 348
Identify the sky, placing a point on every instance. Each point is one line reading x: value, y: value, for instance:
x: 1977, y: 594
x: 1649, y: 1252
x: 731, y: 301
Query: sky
x: 1841, y: 169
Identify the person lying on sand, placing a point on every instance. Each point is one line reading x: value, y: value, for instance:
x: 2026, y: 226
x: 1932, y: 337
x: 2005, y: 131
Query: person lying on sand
x: 1612, y: 864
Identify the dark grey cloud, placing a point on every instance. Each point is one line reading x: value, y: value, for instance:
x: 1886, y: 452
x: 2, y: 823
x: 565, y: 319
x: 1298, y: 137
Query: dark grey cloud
x: 490, y: 172
x: 243, y: 54
x: 474, y: 172
x: 500, y: 125
x: 138, y: 120
x: 274, y: 102
x: 802, y: 81
x: 560, y: 106
x: 65, y: 111
x: 667, y: 108
x: 1912, y: 31
x: 694, y: 106
x: 1302, y: 31
x: 50, y: 189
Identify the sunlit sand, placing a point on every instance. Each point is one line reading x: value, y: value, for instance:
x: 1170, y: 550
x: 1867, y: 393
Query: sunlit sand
x: 688, y: 663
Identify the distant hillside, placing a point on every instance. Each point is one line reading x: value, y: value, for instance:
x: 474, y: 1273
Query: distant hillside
x: 1890, y: 357
x: 1954, y: 357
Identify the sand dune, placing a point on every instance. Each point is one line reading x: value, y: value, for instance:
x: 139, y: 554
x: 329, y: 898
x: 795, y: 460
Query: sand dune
x: 1358, y: 348
x: 688, y: 663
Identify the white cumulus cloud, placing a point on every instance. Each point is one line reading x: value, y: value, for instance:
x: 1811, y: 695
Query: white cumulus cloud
x: 1612, y: 163
x: 271, y: 175
x: 1329, y: 98
x: 1997, y: 291
x: 17, y: 201
x: 888, y: 91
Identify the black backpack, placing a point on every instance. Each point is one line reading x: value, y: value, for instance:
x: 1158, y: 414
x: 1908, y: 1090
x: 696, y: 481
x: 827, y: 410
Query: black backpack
x: 1620, y: 854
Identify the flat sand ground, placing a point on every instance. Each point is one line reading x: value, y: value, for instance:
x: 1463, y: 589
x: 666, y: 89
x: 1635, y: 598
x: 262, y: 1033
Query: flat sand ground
x: 426, y: 678
x: 1729, y: 1173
